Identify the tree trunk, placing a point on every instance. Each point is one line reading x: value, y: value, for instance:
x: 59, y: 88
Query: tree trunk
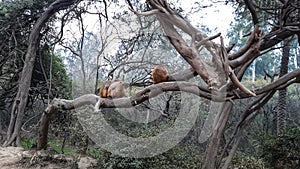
x: 18, y: 108
x: 281, y: 106
x: 43, y: 130
x: 211, y: 154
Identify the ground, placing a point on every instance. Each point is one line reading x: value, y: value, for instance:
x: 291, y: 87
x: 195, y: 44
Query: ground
x: 18, y: 158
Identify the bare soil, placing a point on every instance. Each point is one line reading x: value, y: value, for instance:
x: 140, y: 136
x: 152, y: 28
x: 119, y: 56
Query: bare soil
x: 18, y: 158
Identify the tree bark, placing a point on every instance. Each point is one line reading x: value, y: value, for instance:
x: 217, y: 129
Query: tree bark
x: 281, y: 106
x: 18, y: 108
x: 211, y: 154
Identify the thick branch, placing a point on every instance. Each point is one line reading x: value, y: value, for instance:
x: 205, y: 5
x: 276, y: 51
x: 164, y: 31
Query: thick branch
x: 247, y: 46
x: 290, y: 78
x: 251, y: 8
x: 251, y: 53
x: 270, y: 41
x: 88, y: 99
x: 279, y: 82
x: 149, y: 92
x: 238, y: 84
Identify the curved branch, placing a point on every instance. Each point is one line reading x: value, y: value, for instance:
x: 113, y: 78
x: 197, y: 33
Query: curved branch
x: 244, y: 120
x: 251, y: 8
x: 250, y: 54
x: 272, y: 38
x: 248, y: 44
x: 64, y: 104
x: 281, y: 81
x: 238, y: 84
x: 284, y: 81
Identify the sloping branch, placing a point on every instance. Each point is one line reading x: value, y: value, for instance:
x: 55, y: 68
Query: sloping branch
x: 284, y: 81
x: 250, y: 6
x: 245, y: 119
x: 246, y: 47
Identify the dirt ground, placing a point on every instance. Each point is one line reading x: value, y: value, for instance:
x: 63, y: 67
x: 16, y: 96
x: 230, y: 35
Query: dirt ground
x: 18, y: 158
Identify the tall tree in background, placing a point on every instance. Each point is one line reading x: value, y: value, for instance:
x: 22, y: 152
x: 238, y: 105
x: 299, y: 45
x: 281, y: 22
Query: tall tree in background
x: 281, y: 106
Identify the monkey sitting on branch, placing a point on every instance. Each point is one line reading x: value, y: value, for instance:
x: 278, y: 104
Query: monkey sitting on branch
x: 112, y: 89
x: 159, y: 74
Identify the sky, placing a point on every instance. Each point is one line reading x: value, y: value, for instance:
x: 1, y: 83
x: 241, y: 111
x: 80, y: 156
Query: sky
x: 217, y: 16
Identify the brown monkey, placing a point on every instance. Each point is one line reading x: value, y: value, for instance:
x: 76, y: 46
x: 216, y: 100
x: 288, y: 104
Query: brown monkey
x: 103, y: 92
x: 116, y: 89
x: 159, y: 74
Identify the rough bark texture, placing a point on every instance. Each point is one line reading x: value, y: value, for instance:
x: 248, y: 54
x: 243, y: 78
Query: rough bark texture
x: 281, y: 106
x: 210, y: 160
x: 18, y: 108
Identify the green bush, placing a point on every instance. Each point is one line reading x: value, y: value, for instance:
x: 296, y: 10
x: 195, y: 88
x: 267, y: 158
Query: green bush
x: 243, y: 161
x: 28, y: 143
x: 281, y: 152
x: 181, y: 156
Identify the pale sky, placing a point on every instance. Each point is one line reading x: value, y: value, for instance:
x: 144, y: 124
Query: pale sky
x: 217, y: 17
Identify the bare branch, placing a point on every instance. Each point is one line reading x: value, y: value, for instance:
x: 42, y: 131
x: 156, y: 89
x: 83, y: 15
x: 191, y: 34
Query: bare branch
x: 88, y: 99
x: 248, y: 44
x: 147, y: 13
x: 251, y: 8
x: 287, y: 79
x: 238, y: 84
x: 250, y: 54
x: 170, y: 20
x: 230, y: 47
x: 275, y: 38
x: 203, y: 41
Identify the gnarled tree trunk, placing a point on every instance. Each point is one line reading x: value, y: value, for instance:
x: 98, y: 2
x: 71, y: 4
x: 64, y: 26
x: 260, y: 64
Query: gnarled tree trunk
x: 210, y: 160
x: 18, y: 108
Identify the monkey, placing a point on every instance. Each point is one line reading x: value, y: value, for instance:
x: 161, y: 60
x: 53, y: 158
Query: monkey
x: 112, y: 89
x: 103, y: 92
x: 116, y: 90
x: 159, y: 74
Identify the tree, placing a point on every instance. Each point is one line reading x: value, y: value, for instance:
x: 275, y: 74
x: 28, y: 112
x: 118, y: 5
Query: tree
x: 281, y: 107
x: 215, y: 68
x: 18, y: 107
